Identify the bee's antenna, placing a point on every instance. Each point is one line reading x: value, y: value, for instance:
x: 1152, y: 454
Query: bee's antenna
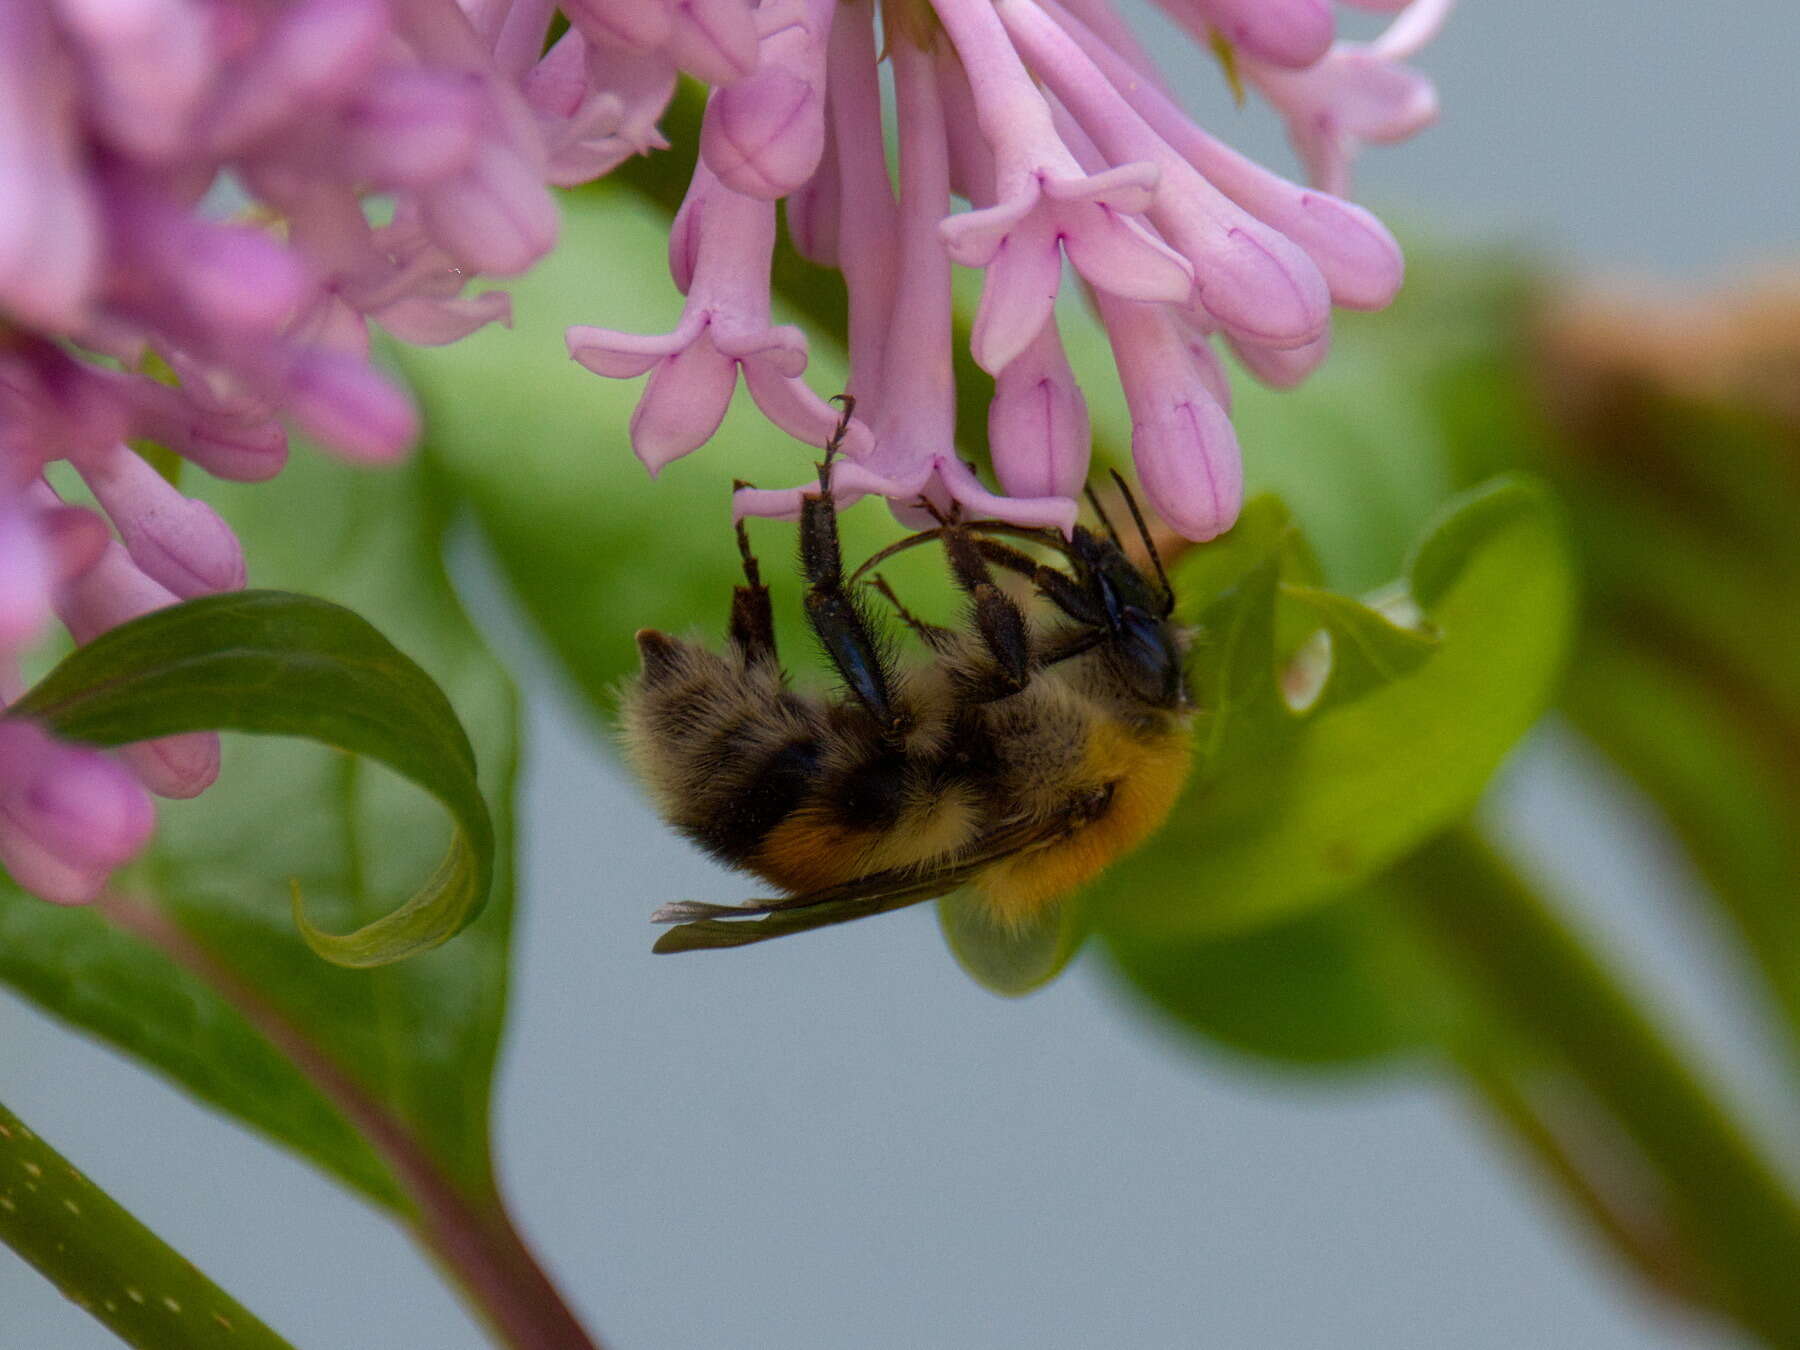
x: 1143, y: 530
x: 1100, y: 511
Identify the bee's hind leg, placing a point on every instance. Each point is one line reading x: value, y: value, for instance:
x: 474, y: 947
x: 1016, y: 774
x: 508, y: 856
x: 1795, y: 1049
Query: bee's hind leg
x: 842, y: 626
x: 752, y: 616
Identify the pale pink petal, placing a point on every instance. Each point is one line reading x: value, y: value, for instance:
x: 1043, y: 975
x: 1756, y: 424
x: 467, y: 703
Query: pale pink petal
x: 683, y: 404
x: 1018, y: 294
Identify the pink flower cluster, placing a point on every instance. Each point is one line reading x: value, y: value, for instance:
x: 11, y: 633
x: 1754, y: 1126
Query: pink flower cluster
x: 203, y: 204
x: 1049, y: 120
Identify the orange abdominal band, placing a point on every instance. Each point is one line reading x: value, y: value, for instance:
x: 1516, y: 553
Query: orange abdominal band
x: 1147, y: 776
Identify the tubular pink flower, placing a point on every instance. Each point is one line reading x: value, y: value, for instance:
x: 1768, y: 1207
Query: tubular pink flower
x: 69, y: 816
x: 1355, y: 254
x: 1045, y: 203
x: 1249, y: 279
x: 725, y: 326
x: 25, y: 577
x: 764, y: 134
x: 1181, y: 438
x: 914, y: 419
x: 867, y: 229
x: 1182, y: 242
x: 811, y: 210
x: 1359, y: 93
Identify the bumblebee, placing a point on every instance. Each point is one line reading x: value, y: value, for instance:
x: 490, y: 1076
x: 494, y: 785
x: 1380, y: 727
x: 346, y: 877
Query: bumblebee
x: 1021, y: 759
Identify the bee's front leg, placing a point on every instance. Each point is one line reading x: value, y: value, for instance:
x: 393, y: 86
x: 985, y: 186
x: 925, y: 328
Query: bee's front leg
x: 843, y: 627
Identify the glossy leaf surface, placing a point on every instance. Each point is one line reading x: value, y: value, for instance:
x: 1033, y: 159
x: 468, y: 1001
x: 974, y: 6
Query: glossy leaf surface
x: 276, y: 663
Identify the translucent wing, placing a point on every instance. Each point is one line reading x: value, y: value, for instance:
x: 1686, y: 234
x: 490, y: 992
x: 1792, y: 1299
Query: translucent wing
x: 702, y: 926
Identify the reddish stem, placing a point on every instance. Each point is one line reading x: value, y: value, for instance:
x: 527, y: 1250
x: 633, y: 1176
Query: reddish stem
x: 472, y: 1238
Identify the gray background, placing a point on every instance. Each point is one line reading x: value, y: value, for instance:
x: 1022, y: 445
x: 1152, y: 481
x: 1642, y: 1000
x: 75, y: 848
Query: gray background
x: 842, y: 1143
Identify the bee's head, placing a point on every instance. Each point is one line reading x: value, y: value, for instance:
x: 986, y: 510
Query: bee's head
x: 1141, y: 644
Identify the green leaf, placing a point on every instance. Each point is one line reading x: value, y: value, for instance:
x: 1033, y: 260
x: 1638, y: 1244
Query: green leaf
x: 1364, y: 649
x: 107, y: 1263
x: 1011, y: 959
x: 290, y: 665
x: 418, y: 1037
x: 1279, y: 818
x: 1343, y: 984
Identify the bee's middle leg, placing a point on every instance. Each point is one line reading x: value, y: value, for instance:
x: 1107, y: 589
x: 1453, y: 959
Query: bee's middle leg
x: 1000, y: 622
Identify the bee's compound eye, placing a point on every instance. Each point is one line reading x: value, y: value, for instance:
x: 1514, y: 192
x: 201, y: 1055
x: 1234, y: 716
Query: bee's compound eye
x: 1149, y: 656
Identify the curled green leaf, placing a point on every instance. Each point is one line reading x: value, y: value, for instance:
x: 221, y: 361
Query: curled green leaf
x: 1365, y: 649
x: 1287, y: 811
x: 274, y: 663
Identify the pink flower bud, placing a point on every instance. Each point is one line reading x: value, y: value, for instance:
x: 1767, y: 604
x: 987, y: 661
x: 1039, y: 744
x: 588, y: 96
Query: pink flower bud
x: 68, y: 815
x: 714, y: 40
x: 179, y: 542
x: 1181, y: 439
x: 764, y: 134
x: 1038, y: 429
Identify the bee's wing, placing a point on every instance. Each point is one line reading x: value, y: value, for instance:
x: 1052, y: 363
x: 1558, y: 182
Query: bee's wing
x: 703, y: 926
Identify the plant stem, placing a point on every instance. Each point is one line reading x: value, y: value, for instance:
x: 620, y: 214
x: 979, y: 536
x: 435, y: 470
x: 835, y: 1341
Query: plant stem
x: 106, y: 1262
x: 1729, y: 1207
x: 472, y: 1237
x: 1624, y: 1211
